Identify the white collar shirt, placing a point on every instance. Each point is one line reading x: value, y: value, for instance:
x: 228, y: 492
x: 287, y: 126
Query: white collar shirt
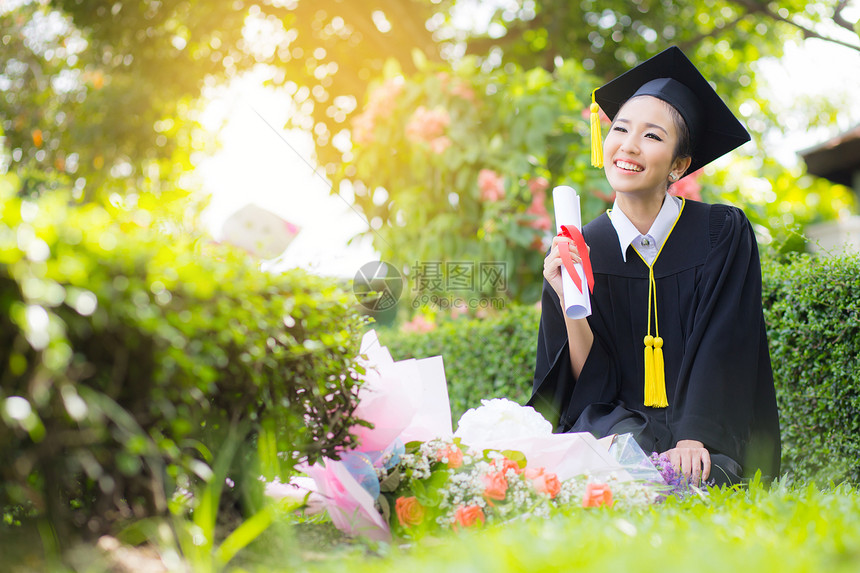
x: 649, y: 244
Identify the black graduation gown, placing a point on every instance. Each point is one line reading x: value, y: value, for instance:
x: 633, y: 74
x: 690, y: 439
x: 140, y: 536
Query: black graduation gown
x: 719, y: 381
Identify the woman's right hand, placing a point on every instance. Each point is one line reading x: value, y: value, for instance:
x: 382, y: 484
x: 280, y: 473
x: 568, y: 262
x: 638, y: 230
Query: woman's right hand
x: 553, y: 265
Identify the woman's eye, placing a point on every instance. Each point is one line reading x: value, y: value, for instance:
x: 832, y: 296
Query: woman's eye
x: 653, y: 136
x: 619, y: 128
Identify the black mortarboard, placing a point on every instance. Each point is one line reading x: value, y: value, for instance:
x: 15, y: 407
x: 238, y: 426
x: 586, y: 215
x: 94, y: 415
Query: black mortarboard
x: 670, y: 76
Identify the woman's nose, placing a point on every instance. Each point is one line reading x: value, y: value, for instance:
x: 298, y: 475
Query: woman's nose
x: 628, y: 144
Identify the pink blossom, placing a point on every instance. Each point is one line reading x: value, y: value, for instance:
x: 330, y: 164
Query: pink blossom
x: 425, y: 125
x: 491, y: 184
x: 688, y: 187
x: 542, y: 220
x: 538, y: 185
x: 440, y: 144
x: 418, y: 324
x: 380, y: 102
x: 462, y: 90
x: 458, y: 309
x: 362, y: 128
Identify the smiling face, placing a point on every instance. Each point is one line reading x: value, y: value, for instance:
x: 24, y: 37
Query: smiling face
x: 640, y: 149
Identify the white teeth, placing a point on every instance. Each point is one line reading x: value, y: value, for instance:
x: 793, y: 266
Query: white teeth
x: 628, y: 166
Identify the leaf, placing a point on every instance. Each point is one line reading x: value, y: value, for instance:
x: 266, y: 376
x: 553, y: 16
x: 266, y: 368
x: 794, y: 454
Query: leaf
x: 419, y: 59
x: 515, y: 456
x: 391, y: 482
x: 384, y: 507
x: 422, y: 494
x: 250, y: 530
x: 391, y: 69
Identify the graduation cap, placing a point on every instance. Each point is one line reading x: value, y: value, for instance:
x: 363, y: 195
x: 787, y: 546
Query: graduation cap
x: 671, y: 77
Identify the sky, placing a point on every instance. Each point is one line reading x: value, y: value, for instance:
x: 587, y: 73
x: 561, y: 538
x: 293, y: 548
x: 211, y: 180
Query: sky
x: 260, y: 162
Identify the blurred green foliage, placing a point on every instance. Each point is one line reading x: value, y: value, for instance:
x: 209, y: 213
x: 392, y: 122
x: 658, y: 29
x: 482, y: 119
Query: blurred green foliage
x: 105, y: 92
x: 778, y: 201
x: 457, y: 167
x: 129, y: 349
x: 813, y: 321
x: 103, y: 96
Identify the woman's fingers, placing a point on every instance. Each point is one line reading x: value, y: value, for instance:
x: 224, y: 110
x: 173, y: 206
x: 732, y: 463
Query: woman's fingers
x: 694, y: 463
x: 686, y: 463
x: 706, y: 465
x: 559, y: 243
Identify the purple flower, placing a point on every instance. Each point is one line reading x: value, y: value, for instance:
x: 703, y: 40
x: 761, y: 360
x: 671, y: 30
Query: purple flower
x: 679, y: 485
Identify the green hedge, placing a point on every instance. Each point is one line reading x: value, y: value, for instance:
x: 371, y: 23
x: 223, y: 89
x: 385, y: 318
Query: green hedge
x: 812, y: 307
x: 812, y: 310
x: 127, y: 355
x: 484, y: 358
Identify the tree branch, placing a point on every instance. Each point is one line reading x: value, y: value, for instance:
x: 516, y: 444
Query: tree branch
x: 755, y: 7
x: 513, y: 34
x: 687, y: 44
x: 837, y: 16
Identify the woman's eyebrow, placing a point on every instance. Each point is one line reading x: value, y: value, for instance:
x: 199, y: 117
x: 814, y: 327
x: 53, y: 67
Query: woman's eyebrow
x: 652, y: 125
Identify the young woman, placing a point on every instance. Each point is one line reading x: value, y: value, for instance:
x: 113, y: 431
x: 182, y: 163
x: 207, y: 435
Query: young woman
x: 675, y: 350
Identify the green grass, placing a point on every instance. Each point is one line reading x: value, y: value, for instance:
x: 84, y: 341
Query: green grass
x: 784, y: 529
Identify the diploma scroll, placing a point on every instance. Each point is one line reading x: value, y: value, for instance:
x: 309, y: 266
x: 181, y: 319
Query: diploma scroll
x: 577, y: 302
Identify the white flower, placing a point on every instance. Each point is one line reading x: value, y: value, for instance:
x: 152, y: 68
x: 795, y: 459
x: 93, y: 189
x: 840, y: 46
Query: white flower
x: 500, y: 419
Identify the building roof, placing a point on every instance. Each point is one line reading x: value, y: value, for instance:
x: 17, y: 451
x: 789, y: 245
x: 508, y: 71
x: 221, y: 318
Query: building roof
x: 836, y: 159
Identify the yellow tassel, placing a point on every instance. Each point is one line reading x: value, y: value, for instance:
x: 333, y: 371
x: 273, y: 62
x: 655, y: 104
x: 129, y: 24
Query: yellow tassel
x: 596, y: 137
x: 660, y: 400
x: 650, y: 388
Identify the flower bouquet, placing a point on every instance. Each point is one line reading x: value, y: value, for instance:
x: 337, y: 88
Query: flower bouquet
x: 443, y: 484
x: 411, y: 475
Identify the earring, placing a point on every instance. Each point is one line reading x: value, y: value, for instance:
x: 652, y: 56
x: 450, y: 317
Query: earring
x: 673, y: 177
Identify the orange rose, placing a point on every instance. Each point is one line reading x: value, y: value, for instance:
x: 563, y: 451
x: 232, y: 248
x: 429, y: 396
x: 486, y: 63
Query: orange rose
x: 409, y: 511
x: 532, y: 473
x: 596, y: 495
x: 454, y: 455
x: 508, y: 465
x: 466, y: 516
x: 547, y: 483
x: 544, y: 481
x: 495, y: 486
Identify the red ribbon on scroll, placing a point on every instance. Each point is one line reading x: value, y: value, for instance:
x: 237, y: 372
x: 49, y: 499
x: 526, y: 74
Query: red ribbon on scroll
x: 571, y: 233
